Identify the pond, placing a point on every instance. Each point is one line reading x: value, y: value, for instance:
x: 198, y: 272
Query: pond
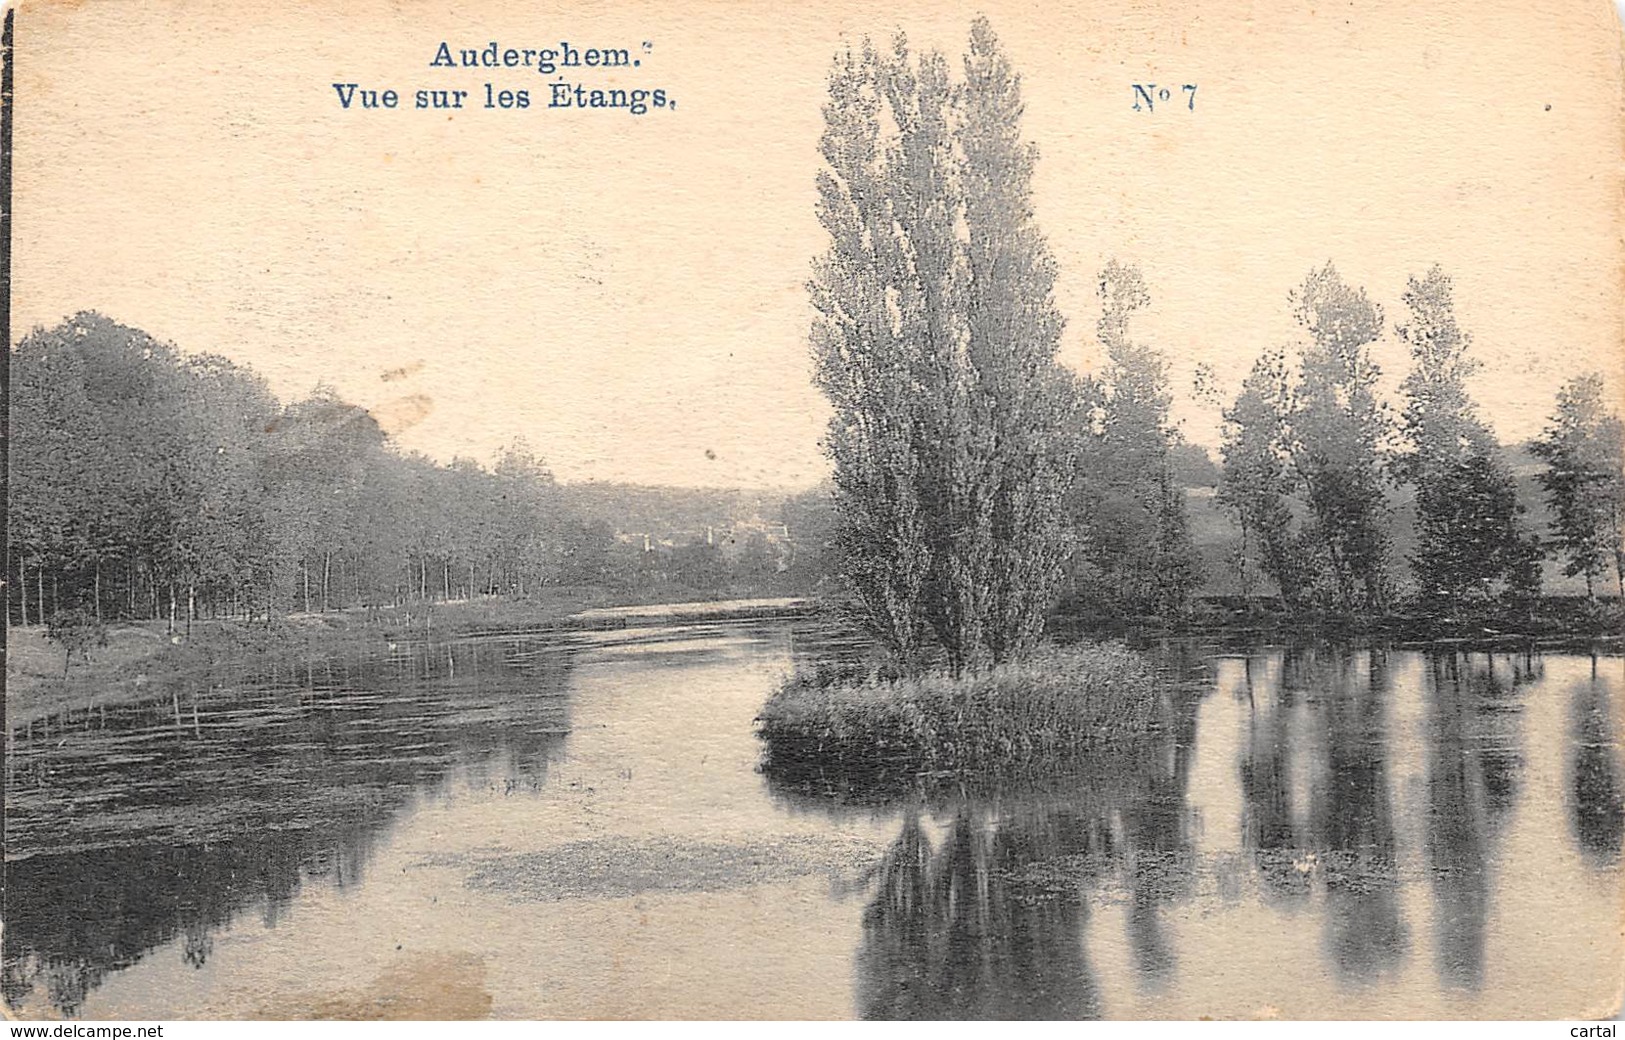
x: 575, y: 826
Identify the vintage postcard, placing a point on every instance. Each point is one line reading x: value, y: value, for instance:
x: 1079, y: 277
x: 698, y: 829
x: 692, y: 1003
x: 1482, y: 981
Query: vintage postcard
x: 732, y: 510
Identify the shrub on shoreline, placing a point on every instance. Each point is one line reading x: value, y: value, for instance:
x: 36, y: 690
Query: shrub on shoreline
x: 1037, y: 711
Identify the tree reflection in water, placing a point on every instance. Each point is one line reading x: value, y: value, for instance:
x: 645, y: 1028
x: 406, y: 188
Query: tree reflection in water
x: 1156, y: 822
x: 1596, y: 809
x: 1324, y: 715
x: 982, y: 905
x: 1352, y: 815
x: 953, y: 932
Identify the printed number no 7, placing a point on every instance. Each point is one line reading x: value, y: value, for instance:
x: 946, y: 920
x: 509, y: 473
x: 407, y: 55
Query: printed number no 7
x: 1148, y: 94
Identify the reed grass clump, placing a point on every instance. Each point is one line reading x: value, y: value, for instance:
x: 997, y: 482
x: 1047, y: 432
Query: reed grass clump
x: 1040, y: 710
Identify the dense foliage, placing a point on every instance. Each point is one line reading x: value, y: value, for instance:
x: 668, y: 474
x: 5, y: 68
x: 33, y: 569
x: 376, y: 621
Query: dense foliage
x: 1471, y: 541
x: 1005, y: 718
x: 150, y: 483
x: 1583, y: 447
x: 1134, y: 553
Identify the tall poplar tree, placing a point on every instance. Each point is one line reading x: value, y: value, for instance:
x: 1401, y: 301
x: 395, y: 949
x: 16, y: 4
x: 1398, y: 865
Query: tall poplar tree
x: 1339, y: 428
x: 1470, y: 542
x: 935, y: 342
x: 865, y: 363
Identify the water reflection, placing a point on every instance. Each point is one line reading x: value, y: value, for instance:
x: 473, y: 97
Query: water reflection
x: 952, y: 932
x: 131, y: 826
x: 1353, y: 813
x: 1314, y: 831
x: 1157, y: 824
x: 1597, y: 807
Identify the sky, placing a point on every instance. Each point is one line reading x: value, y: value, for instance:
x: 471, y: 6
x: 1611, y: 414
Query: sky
x: 627, y: 293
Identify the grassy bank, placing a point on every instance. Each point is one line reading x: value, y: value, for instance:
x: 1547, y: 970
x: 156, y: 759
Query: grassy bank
x: 1040, y: 711
x: 142, y: 658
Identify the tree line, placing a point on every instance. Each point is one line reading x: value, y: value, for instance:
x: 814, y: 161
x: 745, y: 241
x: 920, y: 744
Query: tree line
x: 151, y: 483
x: 978, y: 481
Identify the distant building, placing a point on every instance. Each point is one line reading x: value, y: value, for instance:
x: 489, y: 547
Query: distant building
x: 774, y: 535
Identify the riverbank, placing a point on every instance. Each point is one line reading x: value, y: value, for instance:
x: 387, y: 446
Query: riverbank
x: 142, y: 658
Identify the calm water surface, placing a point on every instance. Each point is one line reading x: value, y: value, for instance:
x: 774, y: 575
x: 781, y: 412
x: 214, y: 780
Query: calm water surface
x: 536, y: 828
